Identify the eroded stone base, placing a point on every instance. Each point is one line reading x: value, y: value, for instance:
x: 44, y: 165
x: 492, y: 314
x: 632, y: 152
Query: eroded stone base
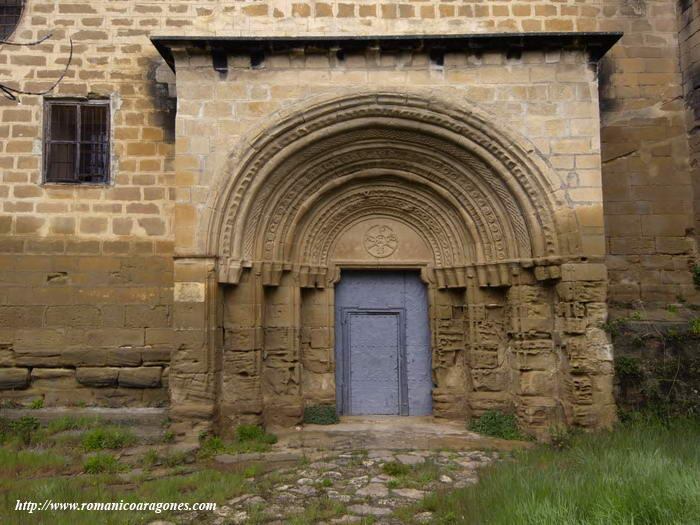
x: 85, y: 330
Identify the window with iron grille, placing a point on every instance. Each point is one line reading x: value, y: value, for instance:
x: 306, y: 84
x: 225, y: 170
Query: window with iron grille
x: 76, y: 141
x: 10, y: 13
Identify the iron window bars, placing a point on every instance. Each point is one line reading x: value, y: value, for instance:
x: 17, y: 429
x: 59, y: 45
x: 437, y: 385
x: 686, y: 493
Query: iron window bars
x: 76, y: 143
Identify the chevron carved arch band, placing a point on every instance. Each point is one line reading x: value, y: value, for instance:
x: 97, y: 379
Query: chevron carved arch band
x: 476, y: 199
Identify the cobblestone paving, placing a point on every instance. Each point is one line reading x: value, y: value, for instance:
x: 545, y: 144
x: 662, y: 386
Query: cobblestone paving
x: 354, y: 487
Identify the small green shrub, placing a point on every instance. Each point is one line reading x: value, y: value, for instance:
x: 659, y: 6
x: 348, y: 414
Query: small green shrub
x: 321, y: 415
x: 150, y: 459
x: 248, y: 438
x: 560, y: 437
x: 497, y: 424
x: 212, y: 445
x: 174, y: 459
x: 252, y: 471
x: 395, y: 468
x: 37, y: 403
x: 169, y: 436
x: 614, y: 326
x: 696, y: 275
x: 101, y: 463
x: 694, y: 326
x: 108, y: 437
x: 628, y: 369
x: 254, y: 433
x: 23, y: 429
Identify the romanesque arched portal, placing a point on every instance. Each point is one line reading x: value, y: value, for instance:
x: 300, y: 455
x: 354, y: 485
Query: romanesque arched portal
x: 403, y: 181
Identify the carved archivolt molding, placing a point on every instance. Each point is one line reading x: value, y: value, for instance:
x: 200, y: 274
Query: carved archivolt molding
x: 482, y: 200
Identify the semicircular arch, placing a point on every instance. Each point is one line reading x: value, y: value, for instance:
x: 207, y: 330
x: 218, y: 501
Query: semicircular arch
x: 497, y: 197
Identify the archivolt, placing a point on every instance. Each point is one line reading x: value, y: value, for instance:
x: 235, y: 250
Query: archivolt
x: 435, y: 218
x: 478, y: 196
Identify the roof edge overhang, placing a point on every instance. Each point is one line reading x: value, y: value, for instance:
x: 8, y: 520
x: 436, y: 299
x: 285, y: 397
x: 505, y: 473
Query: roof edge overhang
x: 596, y: 44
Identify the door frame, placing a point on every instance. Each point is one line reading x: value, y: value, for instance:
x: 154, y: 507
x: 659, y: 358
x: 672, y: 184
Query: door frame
x: 343, y: 391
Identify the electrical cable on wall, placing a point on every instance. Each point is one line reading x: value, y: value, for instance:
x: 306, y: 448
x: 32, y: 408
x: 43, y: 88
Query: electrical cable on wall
x: 11, y: 93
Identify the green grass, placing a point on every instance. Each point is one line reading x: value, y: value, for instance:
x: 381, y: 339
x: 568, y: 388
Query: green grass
x: 66, y: 423
x: 202, y: 486
x: 47, y: 462
x: 497, y: 424
x: 248, y: 438
x: 411, y: 476
x: 31, y: 462
x: 320, y: 510
x: 27, y: 431
x: 107, y: 438
x: 22, y: 430
x: 643, y: 472
x: 321, y: 415
x: 254, y: 434
x: 102, y: 463
x: 394, y: 468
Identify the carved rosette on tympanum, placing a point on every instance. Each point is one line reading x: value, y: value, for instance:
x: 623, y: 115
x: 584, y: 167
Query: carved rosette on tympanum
x: 380, y: 241
x: 418, y: 162
x: 412, y: 189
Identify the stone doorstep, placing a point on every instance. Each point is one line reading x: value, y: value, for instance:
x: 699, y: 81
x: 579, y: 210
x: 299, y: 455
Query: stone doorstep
x: 390, y: 433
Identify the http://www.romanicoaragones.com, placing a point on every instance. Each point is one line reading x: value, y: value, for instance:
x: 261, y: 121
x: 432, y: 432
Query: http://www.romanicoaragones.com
x: 127, y: 506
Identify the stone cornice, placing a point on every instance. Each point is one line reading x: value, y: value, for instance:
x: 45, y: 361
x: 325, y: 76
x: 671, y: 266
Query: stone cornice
x: 596, y: 44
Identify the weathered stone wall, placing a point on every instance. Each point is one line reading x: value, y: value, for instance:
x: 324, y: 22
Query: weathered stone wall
x: 646, y: 183
x: 274, y: 329
x: 549, y: 98
x: 86, y: 272
x: 689, y: 26
x: 82, y: 265
x: 82, y: 329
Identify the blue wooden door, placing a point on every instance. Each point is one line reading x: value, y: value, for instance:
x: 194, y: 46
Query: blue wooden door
x: 382, y: 344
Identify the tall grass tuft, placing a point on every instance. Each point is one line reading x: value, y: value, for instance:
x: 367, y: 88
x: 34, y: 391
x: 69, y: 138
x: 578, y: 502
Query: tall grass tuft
x: 643, y: 472
x: 108, y: 437
x: 247, y: 438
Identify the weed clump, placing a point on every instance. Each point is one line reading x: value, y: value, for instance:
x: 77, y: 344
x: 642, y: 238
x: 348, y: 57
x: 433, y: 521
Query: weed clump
x: 254, y: 434
x: 497, y: 424
x: 23, y: 429
x: 101, y: 464
x: 321, y: 415
x: 66, y: 423
x: 107, y: 438
x: 394, y: 468
x: 247, y: 438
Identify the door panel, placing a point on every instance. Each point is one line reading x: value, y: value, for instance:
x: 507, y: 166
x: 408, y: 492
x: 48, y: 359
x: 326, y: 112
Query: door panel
x: 373, y: 362
x: 368, y: 306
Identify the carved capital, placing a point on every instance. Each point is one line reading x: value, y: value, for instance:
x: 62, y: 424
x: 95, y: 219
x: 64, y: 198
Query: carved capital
x: 229, y: 270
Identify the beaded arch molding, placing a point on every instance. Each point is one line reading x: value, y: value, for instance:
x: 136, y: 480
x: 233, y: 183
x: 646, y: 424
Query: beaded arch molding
x: 481, y: 197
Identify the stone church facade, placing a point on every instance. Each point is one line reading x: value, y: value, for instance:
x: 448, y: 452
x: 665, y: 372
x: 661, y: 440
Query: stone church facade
x: 527, y: 165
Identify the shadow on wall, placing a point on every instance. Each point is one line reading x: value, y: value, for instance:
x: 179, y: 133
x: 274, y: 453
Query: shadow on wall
x: 657, y: 367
